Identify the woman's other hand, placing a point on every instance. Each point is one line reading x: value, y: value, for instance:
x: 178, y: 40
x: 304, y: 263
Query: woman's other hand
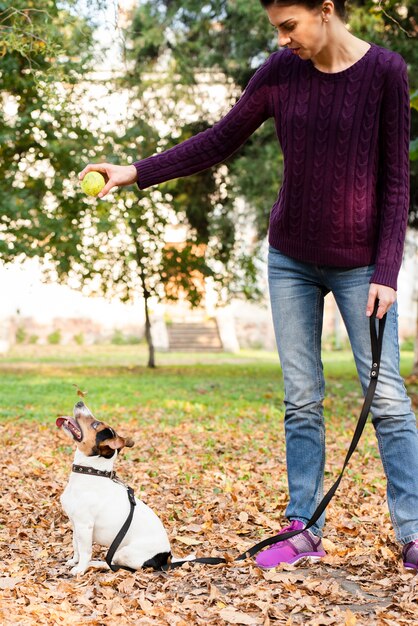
x: 115, y: 175
x: 385, y: 295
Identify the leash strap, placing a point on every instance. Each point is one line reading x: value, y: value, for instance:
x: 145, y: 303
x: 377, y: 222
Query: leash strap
x: 121, y: 534
x: 376, y: 347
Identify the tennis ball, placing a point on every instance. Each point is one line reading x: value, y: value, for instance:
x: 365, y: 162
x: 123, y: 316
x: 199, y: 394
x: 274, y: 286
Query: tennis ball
x: 93, y: 183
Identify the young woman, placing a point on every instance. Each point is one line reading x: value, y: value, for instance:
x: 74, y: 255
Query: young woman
x: 341, y: 109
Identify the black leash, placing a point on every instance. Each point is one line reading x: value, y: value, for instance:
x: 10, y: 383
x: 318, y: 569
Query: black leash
x: 121, y: 534
x: 376, y: 346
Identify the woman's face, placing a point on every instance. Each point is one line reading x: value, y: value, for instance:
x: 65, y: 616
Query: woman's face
x: 299, y: 28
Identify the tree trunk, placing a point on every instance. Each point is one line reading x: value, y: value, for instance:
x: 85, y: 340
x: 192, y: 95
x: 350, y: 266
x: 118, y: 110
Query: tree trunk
x: 148, y: 336
x: 146, y: 294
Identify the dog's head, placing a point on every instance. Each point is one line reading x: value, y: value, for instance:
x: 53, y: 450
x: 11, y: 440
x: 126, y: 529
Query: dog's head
x: 93, y: 437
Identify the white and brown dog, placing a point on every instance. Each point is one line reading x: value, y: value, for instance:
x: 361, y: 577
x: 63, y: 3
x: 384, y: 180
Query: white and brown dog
x: 98, y: 505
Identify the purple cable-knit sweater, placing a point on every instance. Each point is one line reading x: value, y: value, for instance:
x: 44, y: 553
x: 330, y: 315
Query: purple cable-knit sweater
x: 345, y: 138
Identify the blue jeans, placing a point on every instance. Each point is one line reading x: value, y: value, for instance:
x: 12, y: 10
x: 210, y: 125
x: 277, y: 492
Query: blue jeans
x: 297, y: 292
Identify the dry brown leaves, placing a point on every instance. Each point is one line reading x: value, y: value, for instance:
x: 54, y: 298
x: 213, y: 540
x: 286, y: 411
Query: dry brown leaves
x: 211, y: 507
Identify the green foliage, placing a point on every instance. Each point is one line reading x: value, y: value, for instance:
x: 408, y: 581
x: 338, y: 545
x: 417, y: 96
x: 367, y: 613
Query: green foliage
x: 54, y: 338
x: 414, y: 100
x: 408, y: 344
x: 21, y: 335
x: 176, y: 48
x: 23, y: 30
x: 413, y: 149
x: 121, y: 339
x: 413, y: 146
x: 79, y: 339
x: 389, y: 23
x: 41, y: 130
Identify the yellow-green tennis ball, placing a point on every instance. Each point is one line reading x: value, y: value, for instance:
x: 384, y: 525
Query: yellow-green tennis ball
x: 93, y: 183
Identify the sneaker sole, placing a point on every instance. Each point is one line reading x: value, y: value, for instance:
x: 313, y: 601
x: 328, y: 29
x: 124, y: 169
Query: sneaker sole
x: 410, y: 566
x: 310, y: 558
x: 300, y: 557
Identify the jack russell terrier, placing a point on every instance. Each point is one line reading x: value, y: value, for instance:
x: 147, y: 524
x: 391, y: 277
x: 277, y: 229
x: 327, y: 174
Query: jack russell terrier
x: 97, y: 503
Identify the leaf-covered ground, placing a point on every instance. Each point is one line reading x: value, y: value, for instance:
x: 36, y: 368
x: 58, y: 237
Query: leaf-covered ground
x: 218, y: 491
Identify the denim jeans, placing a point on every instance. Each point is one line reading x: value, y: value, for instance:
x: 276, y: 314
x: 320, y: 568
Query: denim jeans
x: 297, y: 292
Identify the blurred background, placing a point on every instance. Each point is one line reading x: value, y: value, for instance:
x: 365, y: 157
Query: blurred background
x: 181, y: 267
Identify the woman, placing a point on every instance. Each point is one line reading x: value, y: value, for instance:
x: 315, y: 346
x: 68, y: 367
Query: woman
x: 341, y: 110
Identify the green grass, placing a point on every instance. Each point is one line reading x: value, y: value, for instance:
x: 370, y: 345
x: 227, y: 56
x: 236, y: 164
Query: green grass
x: 215, y: 389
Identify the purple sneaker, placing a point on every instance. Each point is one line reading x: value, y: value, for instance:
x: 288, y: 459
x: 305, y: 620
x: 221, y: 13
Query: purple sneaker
x: 410, y: 555
x: 303, y: 546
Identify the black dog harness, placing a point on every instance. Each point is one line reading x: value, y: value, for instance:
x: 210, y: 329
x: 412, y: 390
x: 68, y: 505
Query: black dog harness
x: 163, y: 562
x: 159, y: 560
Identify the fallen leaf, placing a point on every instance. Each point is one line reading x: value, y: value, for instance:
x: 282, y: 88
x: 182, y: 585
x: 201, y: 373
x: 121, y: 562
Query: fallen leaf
x: 232, y: 616
x: 188, y: 541
x: 80, y: 393
x: 350, y: 619
x: 9, y: 582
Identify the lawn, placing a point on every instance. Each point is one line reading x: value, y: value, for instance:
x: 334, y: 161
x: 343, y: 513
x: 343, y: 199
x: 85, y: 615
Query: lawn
x: 39, y: 381
x: 210, y: 459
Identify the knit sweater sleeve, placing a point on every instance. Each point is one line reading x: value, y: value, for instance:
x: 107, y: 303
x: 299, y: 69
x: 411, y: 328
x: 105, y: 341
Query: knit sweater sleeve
x: 214, y: 145
x: 394, y: 174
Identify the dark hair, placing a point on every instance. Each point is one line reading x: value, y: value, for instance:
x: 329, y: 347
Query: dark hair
x: 309, y: 4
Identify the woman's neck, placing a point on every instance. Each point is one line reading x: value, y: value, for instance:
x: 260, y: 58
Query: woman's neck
x: 340, y: 52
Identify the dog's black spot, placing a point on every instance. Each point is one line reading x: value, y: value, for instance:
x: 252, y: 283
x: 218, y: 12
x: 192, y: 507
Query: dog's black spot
x: 100, y: 450
x: 102, y: 435
x: 158, y: 560
x: 105, y: 451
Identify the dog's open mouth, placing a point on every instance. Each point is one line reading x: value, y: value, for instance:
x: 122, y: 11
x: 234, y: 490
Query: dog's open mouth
x: 70, y: 425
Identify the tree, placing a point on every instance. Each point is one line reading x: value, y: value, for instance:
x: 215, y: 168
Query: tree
x: 223, y: 41
x: 144, y: 264
x: 41, y: 131
x: 128, y: 253
x: 46, y: 137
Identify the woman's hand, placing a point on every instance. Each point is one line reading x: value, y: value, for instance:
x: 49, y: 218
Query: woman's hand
x: 385, y: 295
x: 115, y: 175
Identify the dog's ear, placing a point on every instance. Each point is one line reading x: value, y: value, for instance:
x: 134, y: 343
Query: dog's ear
x: 117, y: 443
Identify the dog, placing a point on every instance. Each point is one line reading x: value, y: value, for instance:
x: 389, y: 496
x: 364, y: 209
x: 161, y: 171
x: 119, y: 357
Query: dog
x: 98, y: 505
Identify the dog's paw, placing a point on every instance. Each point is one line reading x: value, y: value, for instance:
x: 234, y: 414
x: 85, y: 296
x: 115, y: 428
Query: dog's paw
x: 71, y: 562
x: 98, y: 565
x: 77, y: 570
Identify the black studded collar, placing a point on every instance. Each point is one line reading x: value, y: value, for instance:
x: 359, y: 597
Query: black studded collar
x: 91, y: 471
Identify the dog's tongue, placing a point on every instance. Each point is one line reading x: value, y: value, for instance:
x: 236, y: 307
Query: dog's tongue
x: 61, y: 420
